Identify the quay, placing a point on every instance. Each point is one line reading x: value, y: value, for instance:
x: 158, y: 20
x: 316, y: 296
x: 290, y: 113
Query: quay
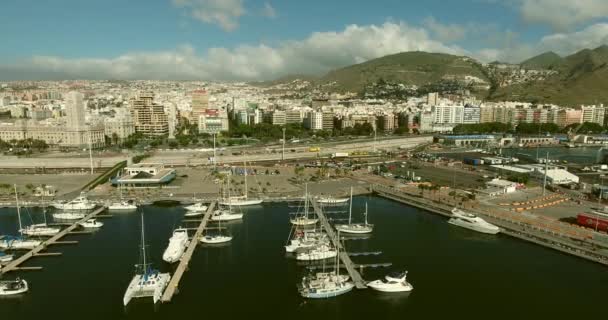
x: 517, y: 229
x: 172, y: 287
x: 344, y: 257
x: 55, y: 240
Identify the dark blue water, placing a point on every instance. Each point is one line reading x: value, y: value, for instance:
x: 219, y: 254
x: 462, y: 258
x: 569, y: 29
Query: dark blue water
x: 456, y: 273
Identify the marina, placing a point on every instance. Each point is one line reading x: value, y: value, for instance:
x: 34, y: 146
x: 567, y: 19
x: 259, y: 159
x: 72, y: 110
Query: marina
x: 224, y: 280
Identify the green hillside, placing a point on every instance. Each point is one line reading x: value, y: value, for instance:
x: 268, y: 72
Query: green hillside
x: 411, y: 68
x: 545, y: 60
x: 582, y: 79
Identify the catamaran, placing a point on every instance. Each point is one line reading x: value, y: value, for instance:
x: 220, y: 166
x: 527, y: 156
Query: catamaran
x: 177, y: 245
x: 146, y: 282
x: 324, y: 285
x: 357, y: 228
x: 18, y: 243
x: 472, y: 222
x: 80, y: 203
x: 40, y: 229
x: 243, y: 200
x: 304, y: 220
x: 13, y: 287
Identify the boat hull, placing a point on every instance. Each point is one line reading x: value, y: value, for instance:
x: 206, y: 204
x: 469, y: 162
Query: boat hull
x: 19, y: 244
x: 136, y: 290
x: 5, y: 291
x: 332, y: 201
x: 354, y: 229
x: 175, y: 249
x: 69, y: 216
x: 241, y: 203
x: 215, y: 239
x: 324, y: 294
x: 381, y: 286
x: 303, y: 222
x: 477, y: 228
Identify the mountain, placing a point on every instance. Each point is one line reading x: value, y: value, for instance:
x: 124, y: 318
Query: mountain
x: 581, y: 78
x: 412, y: 68
x: 543, y: 61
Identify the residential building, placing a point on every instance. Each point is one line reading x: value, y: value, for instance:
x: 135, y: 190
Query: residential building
x: 149, y: 118
x: 120, y: 126
x: 75, y: 111
x: 471, y: 114
x: 328, y: 121
x: 432, y: 99
x: 200, y: 103
x: 276, y: 117
x: 293, y: 116
x: 448, y: 114
x: 594, y: 114
x: 314, y: 120
x: 213, y: 123
x: 566, y: 117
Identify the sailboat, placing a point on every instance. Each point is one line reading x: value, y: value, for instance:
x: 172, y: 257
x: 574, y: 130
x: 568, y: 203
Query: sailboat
x: 357, y: 228
x: 122, y: 205
x: 323, y: 285
x: 216, y: 238
x: 305, y: 239
x: 40, y: 229
x: 146, y: 282
x: 304, y: 220
x: 177, y: 245
x: 243, y: 200
x: 18, y: 243
x: 222, y: 214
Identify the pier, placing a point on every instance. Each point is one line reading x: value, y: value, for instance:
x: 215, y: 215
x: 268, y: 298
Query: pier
x: 54, y: 240
x: 344, y: 257
x: 172, y: 287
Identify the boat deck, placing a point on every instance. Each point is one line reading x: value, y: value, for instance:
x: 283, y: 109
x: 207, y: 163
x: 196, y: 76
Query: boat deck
x: 344, y: 257
x: 172, y: 288
x: 36, y: 252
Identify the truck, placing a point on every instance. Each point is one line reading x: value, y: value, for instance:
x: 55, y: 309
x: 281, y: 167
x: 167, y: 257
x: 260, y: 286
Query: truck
x: 314, y: 149
x: 339, y: 155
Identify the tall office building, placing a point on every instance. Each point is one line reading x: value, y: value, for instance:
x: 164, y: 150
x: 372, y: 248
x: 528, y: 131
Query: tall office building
x: 74, y: 107
x: 432, y: 98
x: 200, y: 103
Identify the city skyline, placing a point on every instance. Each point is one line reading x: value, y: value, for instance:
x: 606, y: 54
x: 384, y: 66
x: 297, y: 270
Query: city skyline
x: 261, y: 40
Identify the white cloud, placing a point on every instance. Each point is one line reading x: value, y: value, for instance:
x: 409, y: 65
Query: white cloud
x: 562, y: 14
x: 561, y: 43
x: 269, y: 11
x: 224, y: 13
x: 445, y: 32
x: 318, y: 53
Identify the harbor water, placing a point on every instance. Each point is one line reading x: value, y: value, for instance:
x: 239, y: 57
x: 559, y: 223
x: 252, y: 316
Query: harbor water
x: 455, y: 272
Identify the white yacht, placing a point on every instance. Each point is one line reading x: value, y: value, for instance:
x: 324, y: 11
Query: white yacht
x: 91, y: 224
x: 123, y: 205
x: 392, y: 283
x: 304, y: 219
x: 80, y: 203
x: 241, y: 201
x: 331, y: 200
x: 320, y: 252
x: 66, y: 215
x: 214, y: 239
x: 225, y: 215
x: 356, y: 228
x: 304, y: 240
x: 472, y: 222
x: 18, y: 243
x: 13, y: 287
x: 6, y: 258
x: 146, y: 282
x: 177, y: 245
x: 324, y: 285
x: 196, y: 209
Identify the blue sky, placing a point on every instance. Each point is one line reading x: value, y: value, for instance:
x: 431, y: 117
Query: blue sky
x: 261, y: 39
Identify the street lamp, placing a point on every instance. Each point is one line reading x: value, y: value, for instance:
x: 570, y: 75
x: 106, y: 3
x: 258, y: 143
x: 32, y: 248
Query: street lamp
x: 283, y: 154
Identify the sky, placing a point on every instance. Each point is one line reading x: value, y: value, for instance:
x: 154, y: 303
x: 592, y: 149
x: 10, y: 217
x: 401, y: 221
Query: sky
x: 254, y: 40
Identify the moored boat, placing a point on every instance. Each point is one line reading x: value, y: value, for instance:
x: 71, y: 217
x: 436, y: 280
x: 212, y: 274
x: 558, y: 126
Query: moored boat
x: 177, y: 245
x: 13, y: 287
x: 472, y: 222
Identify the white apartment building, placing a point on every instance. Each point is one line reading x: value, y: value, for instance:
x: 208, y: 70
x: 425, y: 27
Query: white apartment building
x: 448, y: 114
x: 471, y: 114
x: 121, y: 124
x: 314, y: 120
x: 593, y: 114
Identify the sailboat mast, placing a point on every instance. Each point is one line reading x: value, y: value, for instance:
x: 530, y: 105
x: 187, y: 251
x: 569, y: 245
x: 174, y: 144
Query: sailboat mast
x: 350, y: 209
x: 306, y: 201
x: 18, y: 209
x: 229, y: 200
x: 143, y: 243
x: 43, y: 207
x: 245, y: 166
x: 338, y: 258
x: 365, y: 213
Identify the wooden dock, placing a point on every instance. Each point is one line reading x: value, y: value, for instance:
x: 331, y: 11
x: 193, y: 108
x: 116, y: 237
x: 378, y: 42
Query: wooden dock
x: 36, y: 252
x: 348, y: 264
x: 172, y: 288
